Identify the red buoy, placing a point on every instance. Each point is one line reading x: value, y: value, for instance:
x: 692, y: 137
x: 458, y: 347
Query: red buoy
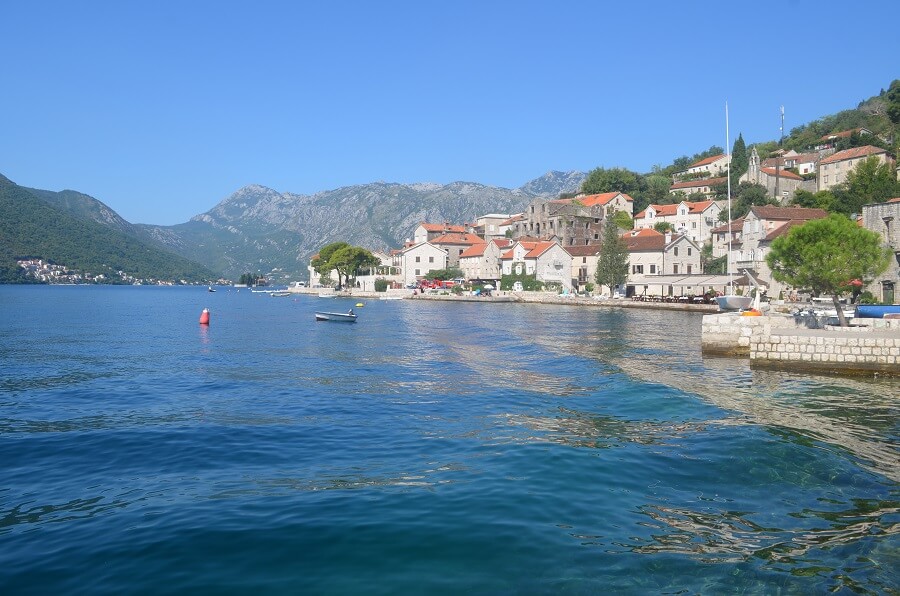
x: 204, y: 317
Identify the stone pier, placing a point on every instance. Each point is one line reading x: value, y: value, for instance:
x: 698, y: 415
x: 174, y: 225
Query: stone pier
x: 869, y: 345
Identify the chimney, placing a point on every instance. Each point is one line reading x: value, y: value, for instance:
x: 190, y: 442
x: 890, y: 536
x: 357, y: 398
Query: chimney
x: 668, y: 237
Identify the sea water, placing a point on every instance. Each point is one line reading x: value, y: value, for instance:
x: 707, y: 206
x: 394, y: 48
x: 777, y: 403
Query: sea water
x: 431, y: 447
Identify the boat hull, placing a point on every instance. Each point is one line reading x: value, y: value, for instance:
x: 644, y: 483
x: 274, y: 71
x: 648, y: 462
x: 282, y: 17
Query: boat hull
x: 336, y: 317
x: 732, y: 302
x: 876, y: 311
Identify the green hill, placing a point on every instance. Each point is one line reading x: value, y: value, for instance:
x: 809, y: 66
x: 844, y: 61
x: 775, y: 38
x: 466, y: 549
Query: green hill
x: 30, y: 227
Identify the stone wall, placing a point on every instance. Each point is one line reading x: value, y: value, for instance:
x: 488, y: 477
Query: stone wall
x: 730, y: 334
x: 868, y: 345
x: 846, y: 351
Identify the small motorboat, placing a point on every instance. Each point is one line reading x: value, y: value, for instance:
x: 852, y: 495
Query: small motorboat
x: 338, y: 317
x: 280, y: 294
x: 210, y: 289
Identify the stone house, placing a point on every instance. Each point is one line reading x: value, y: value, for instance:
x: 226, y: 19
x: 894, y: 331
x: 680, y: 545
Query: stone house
x: 884, y: 218
x: 693, y: 219
x: 833, y: 169
x: 545, y: 259
x: 720, y: 237
x: 417, y: 260
x: 709, y: 167
x: 584, y: 264
x: 573, y: 222
x: 426, y: 232
x: 454, y: 244
x: 653, y: 253
x: 804, y: 163
x: 705, y: 186
x: 482, y: 261
x: 760, y: 227
x: 490, y: 226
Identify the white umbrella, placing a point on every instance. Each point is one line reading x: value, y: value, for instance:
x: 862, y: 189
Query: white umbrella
x: 488, y: 287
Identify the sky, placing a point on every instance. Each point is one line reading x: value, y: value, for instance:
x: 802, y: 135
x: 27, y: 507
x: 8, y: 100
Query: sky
x: 163, y: 109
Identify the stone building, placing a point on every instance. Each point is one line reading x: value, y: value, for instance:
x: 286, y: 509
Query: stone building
x: 884, y: 218
x: 573, y: 222
x: 778, y: 181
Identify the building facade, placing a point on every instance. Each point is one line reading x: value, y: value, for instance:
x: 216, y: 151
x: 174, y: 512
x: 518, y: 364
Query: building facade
x: 884, y: 218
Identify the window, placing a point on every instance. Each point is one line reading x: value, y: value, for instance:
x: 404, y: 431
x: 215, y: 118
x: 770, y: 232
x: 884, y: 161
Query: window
x: 584, y: 259
x: 431, y: 259
x: 825, y: 179
x: 638, y: 268
x: 418, y: 259
x: 689, y: 251
x: 652, y: 268
x: 689, y: 269
x: 676, y: 253
x: 675, y: 269
x: 417, y: 273
x: 694, y: 224
x: 596, y: 236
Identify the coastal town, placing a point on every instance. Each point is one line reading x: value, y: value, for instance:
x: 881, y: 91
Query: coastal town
x: 558, y: 242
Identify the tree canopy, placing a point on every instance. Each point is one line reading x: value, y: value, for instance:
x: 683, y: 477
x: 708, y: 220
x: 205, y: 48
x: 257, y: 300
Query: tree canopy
x: 825, y: 255
x: 622, y: 180
x: 347, y: 260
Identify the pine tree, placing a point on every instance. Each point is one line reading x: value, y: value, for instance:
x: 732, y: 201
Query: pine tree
x: 740, y: 159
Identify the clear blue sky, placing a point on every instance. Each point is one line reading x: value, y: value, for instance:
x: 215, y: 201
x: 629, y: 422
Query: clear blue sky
x: 162, y: 109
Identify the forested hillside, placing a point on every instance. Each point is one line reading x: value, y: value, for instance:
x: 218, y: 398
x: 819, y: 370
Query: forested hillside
x: 32, y: 228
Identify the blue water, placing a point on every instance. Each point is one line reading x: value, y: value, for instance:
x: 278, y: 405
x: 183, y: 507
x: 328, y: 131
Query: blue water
x: 432, y: 447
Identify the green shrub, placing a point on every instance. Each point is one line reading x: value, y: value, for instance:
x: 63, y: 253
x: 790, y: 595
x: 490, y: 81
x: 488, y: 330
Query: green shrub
x: 381, y: 285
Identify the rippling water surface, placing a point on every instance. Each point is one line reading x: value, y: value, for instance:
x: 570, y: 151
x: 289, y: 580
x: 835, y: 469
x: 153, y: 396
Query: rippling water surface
x: 431, y: 447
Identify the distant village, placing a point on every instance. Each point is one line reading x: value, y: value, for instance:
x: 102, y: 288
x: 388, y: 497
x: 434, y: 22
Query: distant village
x: 558, y: 240
x: 42, y: 271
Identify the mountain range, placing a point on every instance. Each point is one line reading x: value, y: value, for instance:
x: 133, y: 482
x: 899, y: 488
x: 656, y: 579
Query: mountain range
x: 258, y: 229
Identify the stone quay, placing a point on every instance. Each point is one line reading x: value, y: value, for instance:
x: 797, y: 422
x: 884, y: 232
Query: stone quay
x: 780, y: 341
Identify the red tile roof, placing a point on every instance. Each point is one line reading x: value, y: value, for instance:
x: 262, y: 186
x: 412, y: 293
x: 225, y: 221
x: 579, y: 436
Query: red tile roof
x: 643, y: 232
x: 782, y: 173
x: 783, y: 228
x: 788, y: 213
x: 839, y: 135
x: 455, y: 238
x: 476, y: 250
x: 706, y: 161
x: 699, y: 183
x: 897, y: 200
x: 737, y: 224
x: 852, y: 154
x: 584, y: 250
x: 667, y: 210
x: 445, y: 227
x: 601, y: 199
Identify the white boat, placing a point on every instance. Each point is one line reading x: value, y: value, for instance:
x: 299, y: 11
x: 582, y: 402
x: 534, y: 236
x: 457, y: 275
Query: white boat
x: 280, y: 293
x: 733, y: 302
x: 326, y: 295
x: 339, y: 317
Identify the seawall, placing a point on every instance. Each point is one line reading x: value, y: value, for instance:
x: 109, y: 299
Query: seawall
x: 869, y: 345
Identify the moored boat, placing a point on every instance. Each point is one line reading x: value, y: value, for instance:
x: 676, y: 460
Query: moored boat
x: 339, y: 317
x: 733, y: 302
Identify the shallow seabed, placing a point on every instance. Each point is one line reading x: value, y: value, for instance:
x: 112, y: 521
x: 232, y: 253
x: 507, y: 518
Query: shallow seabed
x: 429, y: 448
